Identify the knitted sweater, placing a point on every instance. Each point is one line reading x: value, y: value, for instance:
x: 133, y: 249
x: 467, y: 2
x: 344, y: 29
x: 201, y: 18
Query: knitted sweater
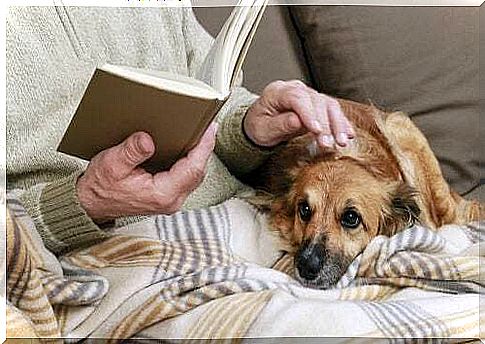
x: 51, y: 55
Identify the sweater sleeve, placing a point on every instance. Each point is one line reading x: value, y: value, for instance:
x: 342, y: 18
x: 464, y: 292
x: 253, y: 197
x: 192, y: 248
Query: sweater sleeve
x: 234, y: 149
x: 59, y: 218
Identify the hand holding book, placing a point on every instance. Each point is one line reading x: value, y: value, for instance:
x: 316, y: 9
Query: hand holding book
x: 114, y: 185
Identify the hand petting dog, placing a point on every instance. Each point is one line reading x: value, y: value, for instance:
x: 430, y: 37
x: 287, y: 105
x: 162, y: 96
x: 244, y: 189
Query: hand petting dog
x: 287, y: 109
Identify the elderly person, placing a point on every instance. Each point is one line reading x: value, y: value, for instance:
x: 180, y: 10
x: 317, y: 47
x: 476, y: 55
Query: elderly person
x: 51, y: 53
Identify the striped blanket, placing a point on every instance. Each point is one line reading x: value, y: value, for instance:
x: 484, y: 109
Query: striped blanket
x: 218, y: 273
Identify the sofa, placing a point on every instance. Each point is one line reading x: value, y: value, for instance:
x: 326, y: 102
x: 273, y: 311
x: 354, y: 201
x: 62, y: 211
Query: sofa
x: 420, y: 60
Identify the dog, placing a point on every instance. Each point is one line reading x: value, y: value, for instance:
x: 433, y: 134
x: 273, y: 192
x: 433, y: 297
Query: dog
x: 328, y: 206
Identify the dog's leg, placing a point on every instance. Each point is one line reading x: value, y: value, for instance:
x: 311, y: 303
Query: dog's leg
x: 421, y: 169
x: 470, y: 210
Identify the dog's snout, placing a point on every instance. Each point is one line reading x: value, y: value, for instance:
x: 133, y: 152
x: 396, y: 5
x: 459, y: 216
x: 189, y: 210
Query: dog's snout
x: 309, y: 261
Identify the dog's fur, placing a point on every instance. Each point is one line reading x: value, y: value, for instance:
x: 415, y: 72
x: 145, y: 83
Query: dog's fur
x: 388, y: 176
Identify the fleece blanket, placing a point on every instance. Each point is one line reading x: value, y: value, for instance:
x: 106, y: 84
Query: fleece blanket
x: 218, y: 273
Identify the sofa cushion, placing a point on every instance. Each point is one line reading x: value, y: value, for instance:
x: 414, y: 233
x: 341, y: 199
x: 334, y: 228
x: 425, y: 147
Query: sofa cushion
x: 275, y: 52
x: 421, y: 60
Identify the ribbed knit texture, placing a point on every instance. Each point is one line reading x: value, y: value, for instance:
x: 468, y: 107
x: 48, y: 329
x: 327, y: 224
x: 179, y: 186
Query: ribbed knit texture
x: 51, y: 55
x: 56, y: 209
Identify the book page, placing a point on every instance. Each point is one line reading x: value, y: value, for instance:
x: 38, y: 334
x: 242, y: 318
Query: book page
x: 165, y: 81
x: 230, y: 45
x: 243, y: 42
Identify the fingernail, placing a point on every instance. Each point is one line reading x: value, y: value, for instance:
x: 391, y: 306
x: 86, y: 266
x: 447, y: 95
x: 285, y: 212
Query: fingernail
x: 215, y: 127
x: 312, y: 148
x: 327, y: 140
x: 317, y: 126
x: 144, y: 144
x: 351, y: 133
x: 294, y: 123
x: 342, y: 139
x: 211, y: 131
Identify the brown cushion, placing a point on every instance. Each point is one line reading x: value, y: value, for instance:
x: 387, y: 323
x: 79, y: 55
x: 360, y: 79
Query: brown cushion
x: 424, y: 61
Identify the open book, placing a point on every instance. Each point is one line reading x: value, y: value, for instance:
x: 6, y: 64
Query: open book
x: 174, y: 109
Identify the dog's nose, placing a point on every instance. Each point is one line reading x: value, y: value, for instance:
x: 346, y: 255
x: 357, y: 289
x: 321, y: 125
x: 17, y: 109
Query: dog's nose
x: 309, y: 261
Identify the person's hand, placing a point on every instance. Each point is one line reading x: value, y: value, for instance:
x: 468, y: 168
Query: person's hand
x: 289, y: 109
x: 114, y: 185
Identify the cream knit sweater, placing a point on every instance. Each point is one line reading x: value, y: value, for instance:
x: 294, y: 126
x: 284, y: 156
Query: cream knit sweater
x: 51, y: 55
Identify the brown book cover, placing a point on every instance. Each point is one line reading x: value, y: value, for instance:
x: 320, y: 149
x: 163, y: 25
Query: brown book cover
x: 114, y: 107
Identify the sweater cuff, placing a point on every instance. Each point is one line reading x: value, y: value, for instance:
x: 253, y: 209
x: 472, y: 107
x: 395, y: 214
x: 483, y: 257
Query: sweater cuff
x: 245, y: 154
x: 60, y: 219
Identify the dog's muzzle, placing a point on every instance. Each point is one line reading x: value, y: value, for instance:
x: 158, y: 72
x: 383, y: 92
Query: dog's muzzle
x: 309, y: 260
x: 318, y: 268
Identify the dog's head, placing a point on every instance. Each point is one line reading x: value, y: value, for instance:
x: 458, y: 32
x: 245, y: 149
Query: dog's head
x: 332, y: 208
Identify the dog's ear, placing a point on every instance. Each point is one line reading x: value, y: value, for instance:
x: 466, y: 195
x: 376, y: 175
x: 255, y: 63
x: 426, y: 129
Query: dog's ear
x: 401, y: 210
x: 282, y: 216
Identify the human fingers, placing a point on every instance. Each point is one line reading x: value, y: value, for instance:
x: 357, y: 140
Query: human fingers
x: 187, y: 173
x: 295, y: 96
x: 121, y: 160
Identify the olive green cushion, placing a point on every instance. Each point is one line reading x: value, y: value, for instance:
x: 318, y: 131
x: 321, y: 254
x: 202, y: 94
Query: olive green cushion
x: 421, y: 60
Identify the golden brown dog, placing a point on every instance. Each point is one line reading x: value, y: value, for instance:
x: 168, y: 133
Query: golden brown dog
x: 328, y: 207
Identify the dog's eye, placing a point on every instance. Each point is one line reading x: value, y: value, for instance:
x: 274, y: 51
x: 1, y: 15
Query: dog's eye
x: 350, y: 219
x: 304, y: 211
